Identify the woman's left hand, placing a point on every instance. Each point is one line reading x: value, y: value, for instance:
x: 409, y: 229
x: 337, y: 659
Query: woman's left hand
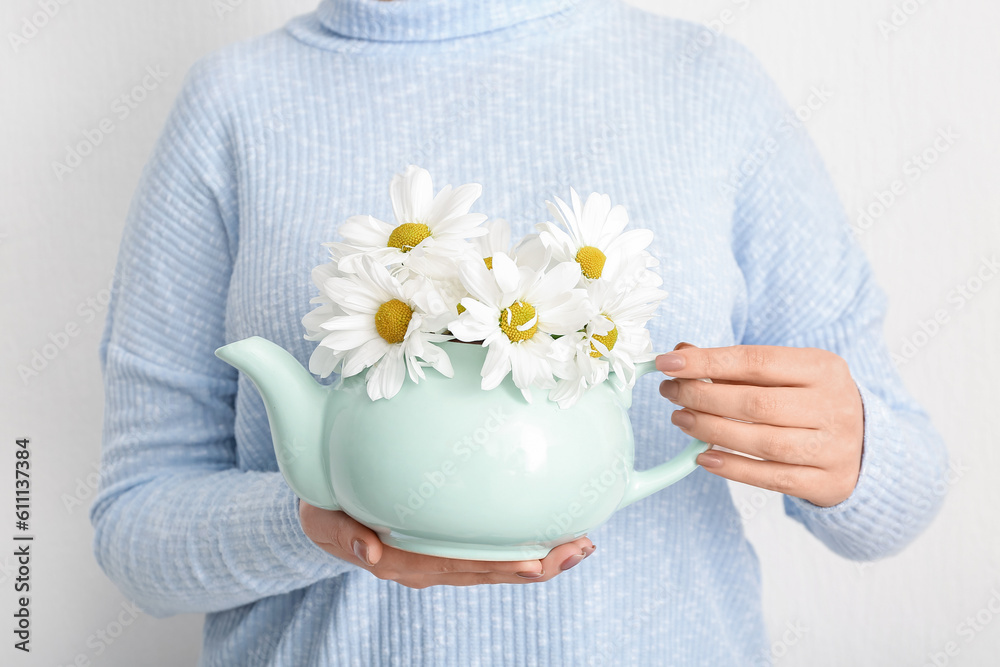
x: 797, y: 409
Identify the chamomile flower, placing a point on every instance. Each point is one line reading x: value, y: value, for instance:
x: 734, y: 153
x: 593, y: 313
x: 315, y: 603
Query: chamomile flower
x: 323, y: 360
x: 372, y: 320
x: 593, y: 236
x: 496, y: 240
x: 613, y: 340
x: 427, y: 226
x: 515, y: 310
x: 563, y: 309
x: 638, y: 272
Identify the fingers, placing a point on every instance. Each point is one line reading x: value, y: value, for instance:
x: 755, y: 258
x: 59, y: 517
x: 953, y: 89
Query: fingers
x: 559, y: 560
x: 681, y: 346
x: 805, y: 482
x: 420, y: 571
x: 462, y: 579
x: 343, y: 537
x: 566, y: 556
x: 779, y: 406
x: 340, y: 535
x: 406, y: 561
x: 399, y: 562
x: 791, y: 416
x: 765, y: 365
x: 799, y: 446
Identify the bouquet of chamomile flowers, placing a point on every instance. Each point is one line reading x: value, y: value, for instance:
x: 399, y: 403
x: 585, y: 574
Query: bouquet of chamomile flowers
x: 560, y: 310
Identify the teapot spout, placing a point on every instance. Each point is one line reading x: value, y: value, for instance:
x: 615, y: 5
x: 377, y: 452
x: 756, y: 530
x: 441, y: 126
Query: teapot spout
x: 295, y: 405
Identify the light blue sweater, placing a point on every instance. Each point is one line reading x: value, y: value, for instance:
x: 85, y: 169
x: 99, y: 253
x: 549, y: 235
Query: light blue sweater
x: 274, y: 142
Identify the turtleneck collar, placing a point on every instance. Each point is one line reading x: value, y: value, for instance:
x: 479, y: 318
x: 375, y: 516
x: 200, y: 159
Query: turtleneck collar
x: 430, y: 20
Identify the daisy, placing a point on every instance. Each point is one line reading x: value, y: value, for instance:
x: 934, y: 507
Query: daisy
x: 529, y: 251
x: 323, y: 361
x: 515, y: 310
x: 433, y: 227
x: 613, y: 340
x: 369, y: 319
x: 593, y: 238
x: 637, y: 272
x: 496, y: 240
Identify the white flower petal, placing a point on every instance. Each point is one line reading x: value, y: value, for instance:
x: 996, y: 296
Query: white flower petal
x: 522, y: 366
x: 411, y: 193
x: 567, y: 317
x: 414, y: 368
x: 316, y: 317
x: 342, y: 341
x: 554, y: 284
x: 568, y: 392
x: 379, y: 279
x: 365, y: 231
x: 631, y: 243
x: 478, y: 280
x: 497, y: 364
x: 532, y: 253
x: 614, y: 223
x: 471, y: 325
x: 505, y: 272
x: 496, y: 240
x: 321, y: 273
x: 385, y: 379
x: 324, y: 361
x: 349, y: 263
x: 463, y: 226
x: 449, y: 204
x: 349, y: 323
x: 595, y: 212
x: 364, y: 356
x: 438, y: 360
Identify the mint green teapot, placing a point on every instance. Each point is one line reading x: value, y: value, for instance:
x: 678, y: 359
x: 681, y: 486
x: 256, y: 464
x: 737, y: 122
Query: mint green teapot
x: 447, y: 469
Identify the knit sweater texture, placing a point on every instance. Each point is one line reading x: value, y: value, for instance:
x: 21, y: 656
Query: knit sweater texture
x: 275, y: 141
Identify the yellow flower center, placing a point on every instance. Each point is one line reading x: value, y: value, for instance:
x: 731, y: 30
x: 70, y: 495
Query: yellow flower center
x: 461, y: 309
x: 608, y: 340
x: 591, y: 260
x: 514, y: 321
x: 407, y: 235
x: 392, y: 320
x: 489, y: 262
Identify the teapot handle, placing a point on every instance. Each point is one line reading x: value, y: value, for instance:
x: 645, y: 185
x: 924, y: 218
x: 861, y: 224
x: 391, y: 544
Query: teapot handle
x: 646, y: 482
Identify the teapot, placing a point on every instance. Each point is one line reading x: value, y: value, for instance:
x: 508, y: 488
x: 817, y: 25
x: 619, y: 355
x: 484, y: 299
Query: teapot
x: 448, y: 469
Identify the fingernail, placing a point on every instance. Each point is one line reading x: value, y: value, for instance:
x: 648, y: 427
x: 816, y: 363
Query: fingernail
x: 670, y: 362
x: 709, y: 460
x: 669, y: 389
x: 683, y: 418
x: 361, y: 551
x: 589, y: 550
x: 572, y: 561
x: 682, y: 345
x: 530, y: 575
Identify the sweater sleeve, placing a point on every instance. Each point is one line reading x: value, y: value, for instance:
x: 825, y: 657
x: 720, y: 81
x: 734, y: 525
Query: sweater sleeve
x: 809, y: 284
x: 179, y: 527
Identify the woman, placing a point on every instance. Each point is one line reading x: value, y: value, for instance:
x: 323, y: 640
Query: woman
x: 274, y: 142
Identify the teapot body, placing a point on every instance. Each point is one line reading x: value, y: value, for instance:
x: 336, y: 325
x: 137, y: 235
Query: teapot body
x: 449, y: 469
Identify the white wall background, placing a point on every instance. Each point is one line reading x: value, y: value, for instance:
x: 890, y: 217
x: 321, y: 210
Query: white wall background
x: 890, y: 94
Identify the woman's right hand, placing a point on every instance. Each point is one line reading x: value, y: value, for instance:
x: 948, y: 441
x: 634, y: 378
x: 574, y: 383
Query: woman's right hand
x: 343, y: 537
